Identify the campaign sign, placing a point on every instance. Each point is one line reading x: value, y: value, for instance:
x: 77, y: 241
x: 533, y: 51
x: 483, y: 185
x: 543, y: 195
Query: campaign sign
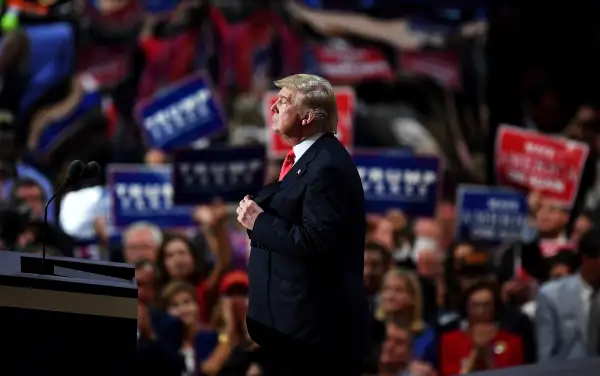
x: 143, y: 193
x: 344, y: 64
x: 441, y: 66
x: 490, y: 214
x: 346, y: 103
x: 228, y: 173
x: 180, y: 114
x: 532, y: 161
x: 399, y: 181
x: 108, y: 65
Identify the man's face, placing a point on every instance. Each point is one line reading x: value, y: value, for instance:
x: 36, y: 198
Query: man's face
x: 140, y: 245
x: 384, y: 233
x: 427, y: 228
x: 145, y: 281
x: 32, y: 196
x: 373, y: 270
x: 286, y: 117
x: 396, y: 347
x: 551, y: 218
x: 559, y: 271
x: 429, y: 264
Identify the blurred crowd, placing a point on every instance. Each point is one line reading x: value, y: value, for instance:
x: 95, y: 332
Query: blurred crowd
x: 76, y: 80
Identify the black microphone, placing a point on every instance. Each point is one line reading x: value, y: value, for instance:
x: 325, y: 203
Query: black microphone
x: 74, y: 174
x: 90, y: 170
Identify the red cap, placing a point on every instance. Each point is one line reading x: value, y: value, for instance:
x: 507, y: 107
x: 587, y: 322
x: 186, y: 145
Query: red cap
x: 233, y: 278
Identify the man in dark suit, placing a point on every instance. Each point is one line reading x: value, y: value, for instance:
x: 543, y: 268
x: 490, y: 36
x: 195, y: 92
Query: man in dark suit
x: 308, y: 309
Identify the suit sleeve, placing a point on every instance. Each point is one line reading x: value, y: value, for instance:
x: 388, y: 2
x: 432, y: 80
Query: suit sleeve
x: 545, y: 328
x: 323, y: 216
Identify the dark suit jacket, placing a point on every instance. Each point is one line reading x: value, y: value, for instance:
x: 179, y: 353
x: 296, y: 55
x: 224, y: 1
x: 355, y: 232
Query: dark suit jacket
x: 306, y: 261
x: 161, y: 357
x: 532, y: 261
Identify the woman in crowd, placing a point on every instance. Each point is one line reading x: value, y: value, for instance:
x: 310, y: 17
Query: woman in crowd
x: 401, y: 303
x: 180, y: 260
x: 230, y: 320
x: 204, y: 350
x: 479, y: 345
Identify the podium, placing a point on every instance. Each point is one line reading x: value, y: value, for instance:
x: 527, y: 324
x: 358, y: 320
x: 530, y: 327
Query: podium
x: 579, y: 367
x: 66, y: 316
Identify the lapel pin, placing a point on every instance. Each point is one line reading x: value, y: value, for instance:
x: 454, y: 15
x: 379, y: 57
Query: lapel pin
x: 299, y: 171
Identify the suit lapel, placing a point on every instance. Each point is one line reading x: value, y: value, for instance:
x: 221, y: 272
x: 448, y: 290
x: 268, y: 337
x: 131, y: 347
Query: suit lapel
x: 268, y: 191
x: 301, y: 166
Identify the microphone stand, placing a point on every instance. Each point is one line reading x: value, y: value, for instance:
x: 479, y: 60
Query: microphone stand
x: 64, y: 184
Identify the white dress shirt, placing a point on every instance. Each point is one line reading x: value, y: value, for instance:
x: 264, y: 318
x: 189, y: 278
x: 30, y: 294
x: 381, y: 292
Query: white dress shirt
x: 303, y: 146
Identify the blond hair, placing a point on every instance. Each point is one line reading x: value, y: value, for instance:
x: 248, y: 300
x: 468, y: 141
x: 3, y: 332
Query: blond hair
x: 313, y: 94
x: 414, y: 289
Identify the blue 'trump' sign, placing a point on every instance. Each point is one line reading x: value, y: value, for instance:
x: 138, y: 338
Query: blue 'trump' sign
x: 489, y: 214
x: 142, y: 193
x: 180, y: 114
x: 229, y: 173
x: 399, y: 181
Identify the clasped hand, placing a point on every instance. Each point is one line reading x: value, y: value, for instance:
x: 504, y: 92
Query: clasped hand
x: 247, y: 212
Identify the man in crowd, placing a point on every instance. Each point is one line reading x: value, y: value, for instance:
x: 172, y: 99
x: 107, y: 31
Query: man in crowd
x: 24, y: 216
x: 307, y: 300
x: 568, y: 309
x: 377, y: 261
x: 141, y: 241
x: 395, y: 358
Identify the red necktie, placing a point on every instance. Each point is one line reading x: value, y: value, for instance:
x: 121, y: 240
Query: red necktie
x: 287, y: 164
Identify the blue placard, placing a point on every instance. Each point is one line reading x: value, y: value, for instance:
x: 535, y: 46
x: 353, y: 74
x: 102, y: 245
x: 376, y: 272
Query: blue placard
x: 55, y: 131
x: 229, y: 173
x: 160, y: 6
x: 399, y: 181
x: 143, y: 193
x: 180, y: 114
x: 489, y: 214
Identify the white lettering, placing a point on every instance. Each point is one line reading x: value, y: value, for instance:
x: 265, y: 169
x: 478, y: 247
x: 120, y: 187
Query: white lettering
x: 220, y: 174
x: 496, y: 204
x: 168, y: 122
x: 140, y: 197
x: 545, y: 151
x: 396, y: 184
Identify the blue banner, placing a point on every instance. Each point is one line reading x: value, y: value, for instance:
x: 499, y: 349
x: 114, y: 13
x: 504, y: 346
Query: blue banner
x: 51, y: 58
x: 180, y: 114
x: 490, y: 215
x: 160, y: 6
x: 142, y: 193
x: 399, y: 181
x: 229, y: 173
x: 58, y: 131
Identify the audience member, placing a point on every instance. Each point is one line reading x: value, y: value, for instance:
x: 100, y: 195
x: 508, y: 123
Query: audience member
x: 400, y: 303
x: 479, y: 345
x: 141, y: 241
x: 567, y: 318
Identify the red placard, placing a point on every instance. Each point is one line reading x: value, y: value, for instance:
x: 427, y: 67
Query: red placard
x: 107, y: 65
x: 442, y: 66
x: 346, y: 65
x: 536, y: 162
x: 346, y: 103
